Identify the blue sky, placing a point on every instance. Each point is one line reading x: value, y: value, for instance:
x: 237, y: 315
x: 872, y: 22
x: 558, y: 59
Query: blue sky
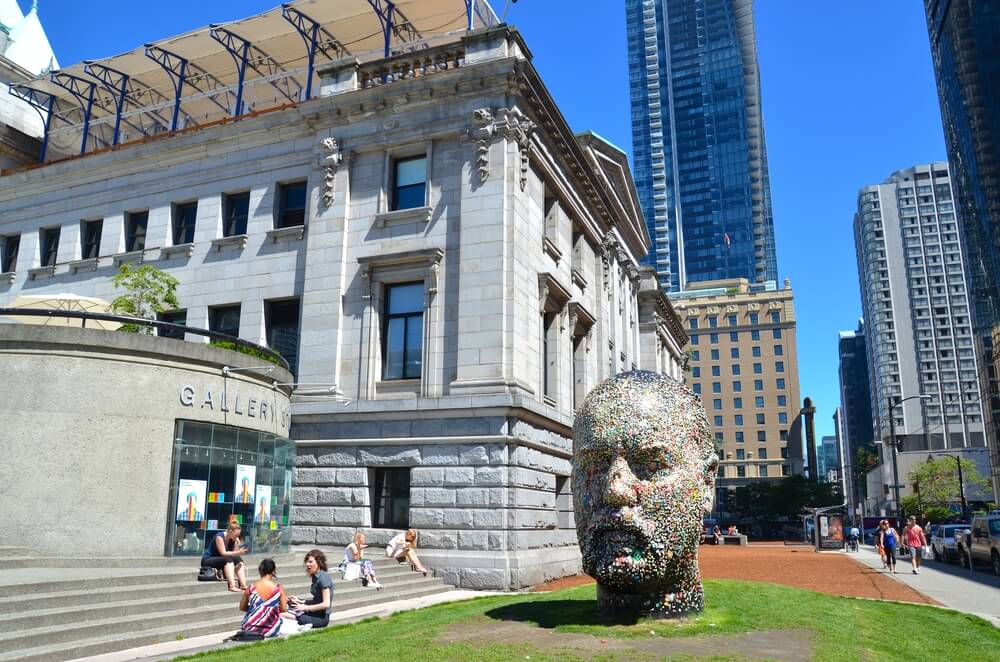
x: 848, y: 92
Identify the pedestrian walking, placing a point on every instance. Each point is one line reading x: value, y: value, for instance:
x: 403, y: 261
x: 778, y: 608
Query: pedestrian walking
x: 878, y: 544
x: 890, y: 540
x: 915, y: 539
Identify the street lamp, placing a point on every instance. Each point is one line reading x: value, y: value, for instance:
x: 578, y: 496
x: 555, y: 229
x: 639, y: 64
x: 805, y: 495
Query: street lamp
x: 893, y: 445
x: 961, y: 483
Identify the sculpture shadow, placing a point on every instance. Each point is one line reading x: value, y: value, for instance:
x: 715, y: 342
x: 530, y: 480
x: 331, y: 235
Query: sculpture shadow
x: 551, y: 614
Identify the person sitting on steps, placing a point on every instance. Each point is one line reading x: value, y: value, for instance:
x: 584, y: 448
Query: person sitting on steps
x: 223, y: 553
x: 403, y: 548
x: 354, y: 555
x: 264, y: 602
x: 315, y: 610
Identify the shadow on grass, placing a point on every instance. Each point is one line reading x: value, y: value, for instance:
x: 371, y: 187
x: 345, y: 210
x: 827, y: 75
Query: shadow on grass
x: 555, y: 613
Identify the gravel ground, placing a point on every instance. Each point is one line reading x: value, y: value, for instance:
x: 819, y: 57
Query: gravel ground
x: 834, y: 573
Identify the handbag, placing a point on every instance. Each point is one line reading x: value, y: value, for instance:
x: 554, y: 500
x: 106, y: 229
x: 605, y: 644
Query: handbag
x: 208, y: 575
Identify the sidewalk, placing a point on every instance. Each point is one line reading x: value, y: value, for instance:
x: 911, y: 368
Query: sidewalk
x: 171, y: 649
x: 975, y: 593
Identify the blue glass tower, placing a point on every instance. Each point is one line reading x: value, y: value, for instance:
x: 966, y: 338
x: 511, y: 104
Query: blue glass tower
x: 700, y: 161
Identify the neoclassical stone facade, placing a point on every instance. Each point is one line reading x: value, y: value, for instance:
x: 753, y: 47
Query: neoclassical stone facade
x: 449, y: 338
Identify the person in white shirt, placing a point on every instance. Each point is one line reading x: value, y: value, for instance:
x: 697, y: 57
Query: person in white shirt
x: 403, y: 548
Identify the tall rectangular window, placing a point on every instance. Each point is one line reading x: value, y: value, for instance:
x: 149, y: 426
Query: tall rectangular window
x: 8, y: 253
x: 173, y: 317
x: 135, y: 230
x: 779, y: 366
x: 225, y: 319
x: 762, y: 470
x: 281, y: 322
x: 185, y: 216
x: 409, y: 183
x: 237, y: 210
x: 49, y: 246
x: 90, y: 238
x: 390, y: 498
x: 291, y: 205
x: 403, y: 331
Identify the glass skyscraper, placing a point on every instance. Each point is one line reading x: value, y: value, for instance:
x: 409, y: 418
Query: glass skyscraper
x: 700, y: 160
x: 965, y: 48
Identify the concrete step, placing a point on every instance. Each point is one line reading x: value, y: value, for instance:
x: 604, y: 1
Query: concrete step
x: 20, y: 557
x: 138, y: 576
x: 26, y: 620
x: 13, y: 551
x: 97, y: 637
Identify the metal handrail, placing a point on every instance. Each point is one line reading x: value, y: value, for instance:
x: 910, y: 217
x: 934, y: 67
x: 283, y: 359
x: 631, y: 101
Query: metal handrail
x: 142, y: 321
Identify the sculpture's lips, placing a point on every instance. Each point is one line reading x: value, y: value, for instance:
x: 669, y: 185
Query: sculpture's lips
x: 620, y: 543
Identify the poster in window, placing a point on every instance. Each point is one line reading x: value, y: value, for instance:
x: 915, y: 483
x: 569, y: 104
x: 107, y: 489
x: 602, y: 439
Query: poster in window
x: 191, y: 500
x: 246, y: 475
x: 262, y: 512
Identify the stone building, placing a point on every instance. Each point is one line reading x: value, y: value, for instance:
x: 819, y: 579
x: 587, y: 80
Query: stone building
x: 743, y: 363
x: 447, y: 267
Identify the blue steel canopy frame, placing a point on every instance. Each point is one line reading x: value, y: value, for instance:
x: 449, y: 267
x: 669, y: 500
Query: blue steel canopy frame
x: 130, y: 89
x: 176, y: 68
x: 387, y: 13
x: 115, y: 82
x: 310, y: 30
x: 239, y: 49
x: 74, y: 85
x: 44, y: 108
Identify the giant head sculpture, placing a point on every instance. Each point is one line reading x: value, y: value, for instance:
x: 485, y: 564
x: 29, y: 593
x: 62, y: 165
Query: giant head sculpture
x: 644, y: 467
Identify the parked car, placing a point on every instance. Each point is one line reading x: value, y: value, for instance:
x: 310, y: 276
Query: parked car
x: 943, y: 543
x: 983, y: 544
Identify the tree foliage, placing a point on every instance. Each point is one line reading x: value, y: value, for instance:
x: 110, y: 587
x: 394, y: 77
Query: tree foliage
x: 937, y: 482
x: 148, y: 292
x: 788, y: 497
x: 866, y: 460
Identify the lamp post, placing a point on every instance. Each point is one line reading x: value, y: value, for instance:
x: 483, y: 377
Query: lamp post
x: 893, y: 444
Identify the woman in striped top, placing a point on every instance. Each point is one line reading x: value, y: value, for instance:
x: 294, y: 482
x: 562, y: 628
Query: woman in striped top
x: 264, y: 601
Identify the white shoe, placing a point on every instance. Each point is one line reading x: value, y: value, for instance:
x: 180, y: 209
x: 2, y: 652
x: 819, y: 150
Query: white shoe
x: 375, y: 585
x: 307, y: 626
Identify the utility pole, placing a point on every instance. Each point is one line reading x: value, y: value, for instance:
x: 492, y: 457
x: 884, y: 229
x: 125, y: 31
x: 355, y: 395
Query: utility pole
x: 895, y: 464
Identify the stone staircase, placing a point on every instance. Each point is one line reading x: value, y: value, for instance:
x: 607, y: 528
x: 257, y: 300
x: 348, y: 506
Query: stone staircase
x: 51, y: 610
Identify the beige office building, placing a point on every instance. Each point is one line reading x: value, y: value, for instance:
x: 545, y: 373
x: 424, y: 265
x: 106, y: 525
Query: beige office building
x: 743, y: 362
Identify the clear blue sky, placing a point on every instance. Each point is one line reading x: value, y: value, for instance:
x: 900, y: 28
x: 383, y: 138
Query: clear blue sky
x: 848, y: 92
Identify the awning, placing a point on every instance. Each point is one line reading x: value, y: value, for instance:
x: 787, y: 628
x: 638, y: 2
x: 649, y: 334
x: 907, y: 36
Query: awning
x: 230, y: 69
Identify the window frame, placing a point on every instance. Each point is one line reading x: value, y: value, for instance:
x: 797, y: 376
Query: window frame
x: 379, y: 480
x: 392, y: 174
x: 90, y: 246
x: 282, y: 211
x: 215, y: 311
x: 230, y: 223
x: 8, y: 257
x: 178, y: 225
x: 131, y: 223
x: 386, y: 319
x: 44, y: 234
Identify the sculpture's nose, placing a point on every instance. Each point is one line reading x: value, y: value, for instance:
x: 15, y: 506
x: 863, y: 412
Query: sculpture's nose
x: 620, y: 491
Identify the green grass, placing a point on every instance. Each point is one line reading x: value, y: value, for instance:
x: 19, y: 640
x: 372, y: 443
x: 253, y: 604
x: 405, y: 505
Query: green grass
x: 843, y: 628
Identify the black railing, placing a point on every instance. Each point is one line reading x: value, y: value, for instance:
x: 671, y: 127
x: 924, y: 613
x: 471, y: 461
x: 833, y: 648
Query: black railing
x: 177, y: 329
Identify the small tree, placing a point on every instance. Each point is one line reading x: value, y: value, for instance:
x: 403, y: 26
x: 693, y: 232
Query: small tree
x: 148, y: 292
x: 938, y: 481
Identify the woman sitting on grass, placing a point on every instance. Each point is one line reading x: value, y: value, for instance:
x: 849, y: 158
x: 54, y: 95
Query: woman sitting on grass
x: 354, y: 555
x: 264, y: 602
x: 314, y: 611
x: 403, y: 548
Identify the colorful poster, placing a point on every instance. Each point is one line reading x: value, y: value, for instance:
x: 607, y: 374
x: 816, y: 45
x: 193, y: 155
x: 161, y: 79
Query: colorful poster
x: 191, y: 500
x: 831, y: 531
x: 262, y: 512
x: 246, y: 475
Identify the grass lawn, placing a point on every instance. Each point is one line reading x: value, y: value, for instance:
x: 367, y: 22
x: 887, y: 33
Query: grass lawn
x: 563, y: 625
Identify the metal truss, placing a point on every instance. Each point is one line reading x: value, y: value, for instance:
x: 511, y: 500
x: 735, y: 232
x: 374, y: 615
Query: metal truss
x: 43, y: 103
x: 182, y: 72
x: 76, y: 86
x: 394, y: 23
x: 245, y: 54
x: 130, y: 91
x: 310, y: 31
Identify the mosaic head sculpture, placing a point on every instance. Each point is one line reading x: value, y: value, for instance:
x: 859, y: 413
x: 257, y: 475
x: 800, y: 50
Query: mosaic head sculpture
x: 644, y: 467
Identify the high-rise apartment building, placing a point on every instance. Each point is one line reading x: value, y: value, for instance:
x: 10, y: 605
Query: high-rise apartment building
x: 829, y: 461
x: 964, y: 35
x: 699, y: 155
x: 914, y: 296
x: 744, y: 365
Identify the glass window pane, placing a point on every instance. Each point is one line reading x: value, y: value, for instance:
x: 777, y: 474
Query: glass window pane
x: 411, y: 171
x: 409, y: 197
x: 414, y: 345
x: 406, y: 299
x: 237, y: 211
x: 394, y: 337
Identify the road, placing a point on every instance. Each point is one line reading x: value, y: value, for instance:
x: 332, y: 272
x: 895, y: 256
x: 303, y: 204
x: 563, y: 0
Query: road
x: 955, y: 587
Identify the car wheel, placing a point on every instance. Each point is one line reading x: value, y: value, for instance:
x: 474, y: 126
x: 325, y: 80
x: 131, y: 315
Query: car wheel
x: 996, y: 564
x: 937, y: 556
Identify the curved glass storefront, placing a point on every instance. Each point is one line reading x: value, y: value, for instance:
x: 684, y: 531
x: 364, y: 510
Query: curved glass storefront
x: 220, y: 470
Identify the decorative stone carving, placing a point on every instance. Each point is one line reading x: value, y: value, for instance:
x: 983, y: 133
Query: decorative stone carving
x: 644, y: 467
x: 504, y: 123
x: 731, y: 308
x: 330, y: 160
x: 432, y: 278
